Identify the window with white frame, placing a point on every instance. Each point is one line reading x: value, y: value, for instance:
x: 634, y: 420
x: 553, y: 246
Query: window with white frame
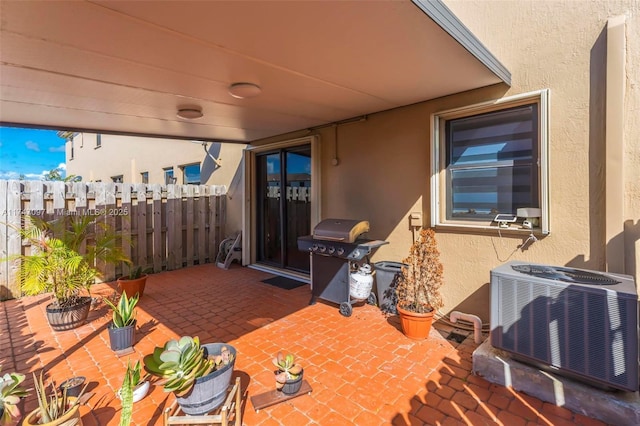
x: 168, y: 176
x: 491, y: 159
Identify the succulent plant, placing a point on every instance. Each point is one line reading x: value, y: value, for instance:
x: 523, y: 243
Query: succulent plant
x: 10, y: 394
x: 287, y: 367
x: 124, y: 313
x: 181, y: 362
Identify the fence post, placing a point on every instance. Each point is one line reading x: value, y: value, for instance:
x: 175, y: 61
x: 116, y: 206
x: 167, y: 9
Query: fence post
x: 14, y: 239
x: 202, y: 220
x: 141, y: 243
x: 156, y: 224
x: 172, y: 206
x: 127, y: 209
x: 4, y: 252
x: 189, y: 222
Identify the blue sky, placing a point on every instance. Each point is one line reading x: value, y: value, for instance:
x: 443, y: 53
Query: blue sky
x: 31, y: 152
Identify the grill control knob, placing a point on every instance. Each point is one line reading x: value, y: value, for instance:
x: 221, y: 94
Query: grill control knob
x: 355, y: 254
x: 331, y: 250
x: 322, y: 249
x: 340, y: 251
x: 314, y: 247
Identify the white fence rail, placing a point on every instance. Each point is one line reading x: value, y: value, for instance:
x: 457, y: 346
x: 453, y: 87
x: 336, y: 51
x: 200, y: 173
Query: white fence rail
x: 170, y: 226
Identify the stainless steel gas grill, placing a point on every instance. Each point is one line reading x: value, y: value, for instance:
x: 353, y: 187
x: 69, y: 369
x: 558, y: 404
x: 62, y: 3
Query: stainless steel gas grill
x: 336, y: 247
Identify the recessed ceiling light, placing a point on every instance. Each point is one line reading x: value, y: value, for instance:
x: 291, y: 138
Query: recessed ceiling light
x: 190, y: 112
x: 244, y: 90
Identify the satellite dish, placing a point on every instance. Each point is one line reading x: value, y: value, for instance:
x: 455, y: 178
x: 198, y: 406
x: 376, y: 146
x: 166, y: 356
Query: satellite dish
x: 212, y: 161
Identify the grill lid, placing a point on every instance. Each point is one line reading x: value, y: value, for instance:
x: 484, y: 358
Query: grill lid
x: 345, y: 230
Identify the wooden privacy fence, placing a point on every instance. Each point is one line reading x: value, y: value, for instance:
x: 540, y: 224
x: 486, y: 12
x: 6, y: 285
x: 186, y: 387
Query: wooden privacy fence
x: 162, y: 227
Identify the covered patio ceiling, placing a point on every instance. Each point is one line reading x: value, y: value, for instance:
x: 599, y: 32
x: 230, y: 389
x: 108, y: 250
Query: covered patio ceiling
x: 128, y: 66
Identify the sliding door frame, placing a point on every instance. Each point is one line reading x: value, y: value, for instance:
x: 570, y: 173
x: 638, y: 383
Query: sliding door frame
x: 250, y: 203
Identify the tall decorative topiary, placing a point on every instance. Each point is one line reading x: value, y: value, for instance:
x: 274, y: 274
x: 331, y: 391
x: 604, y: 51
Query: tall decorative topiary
x: 419, y: 286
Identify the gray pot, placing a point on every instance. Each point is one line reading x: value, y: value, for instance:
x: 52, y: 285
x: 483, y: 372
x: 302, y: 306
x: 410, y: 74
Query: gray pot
x: 292, y: 386
x: 208, y: 392
x: 123, y: 337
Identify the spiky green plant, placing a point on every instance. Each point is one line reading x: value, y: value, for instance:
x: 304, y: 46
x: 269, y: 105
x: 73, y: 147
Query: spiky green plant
x: 124, y: 313
x: 10, y: 394
x: 55, y: 406
x: 131, y: 380
x: 288, y: 369
x: 419, y: 285
x: 136, y: 272
x: 181, y: 362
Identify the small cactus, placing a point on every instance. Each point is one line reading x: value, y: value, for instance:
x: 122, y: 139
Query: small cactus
x: 287, y: 367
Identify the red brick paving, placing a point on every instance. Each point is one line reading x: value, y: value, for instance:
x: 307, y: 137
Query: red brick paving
x: 362, y: 369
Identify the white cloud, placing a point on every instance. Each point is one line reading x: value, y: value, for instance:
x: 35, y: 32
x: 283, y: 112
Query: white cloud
x: 9, y: 175
x: 62, y: 166
x: 32, y: 146
x: 60, y: 148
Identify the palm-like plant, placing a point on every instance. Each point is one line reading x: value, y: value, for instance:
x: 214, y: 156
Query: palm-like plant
x: 56, y: 264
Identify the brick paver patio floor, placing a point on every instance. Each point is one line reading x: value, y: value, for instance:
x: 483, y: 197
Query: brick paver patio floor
x: 362, y: 369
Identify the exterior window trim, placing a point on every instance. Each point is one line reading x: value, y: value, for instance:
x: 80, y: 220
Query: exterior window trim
x: 438, y: 168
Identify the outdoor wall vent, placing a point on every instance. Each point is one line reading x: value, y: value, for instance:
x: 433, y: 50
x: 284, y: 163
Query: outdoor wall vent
x: 579, y: 323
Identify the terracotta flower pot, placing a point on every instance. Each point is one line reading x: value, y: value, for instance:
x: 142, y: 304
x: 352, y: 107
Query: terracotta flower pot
x: 415, y: 325
x: 131, y: 287
x: 71, y: 418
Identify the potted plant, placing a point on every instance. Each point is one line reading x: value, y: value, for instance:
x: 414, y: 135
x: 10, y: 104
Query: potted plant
x: 289, y: 373
x: 10, y: 394
x: 198, y: 375
x: 133, y: 389
x: 135, y: 282
x: 122, y: 328
x: 418, y: 289
x: 73, y: 386
x: 57, y: 409
x: 56, y: 265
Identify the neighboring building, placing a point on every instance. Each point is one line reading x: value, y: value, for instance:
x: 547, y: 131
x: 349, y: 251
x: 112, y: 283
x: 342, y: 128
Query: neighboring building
x: 563, y: 138
x: 134, y: 159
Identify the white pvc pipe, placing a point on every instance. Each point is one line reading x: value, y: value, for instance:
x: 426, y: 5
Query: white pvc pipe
x: 474, y: 319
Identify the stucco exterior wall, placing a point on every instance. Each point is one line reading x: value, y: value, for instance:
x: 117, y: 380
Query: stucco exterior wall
x: 384, y: 162
x: 129, y: 156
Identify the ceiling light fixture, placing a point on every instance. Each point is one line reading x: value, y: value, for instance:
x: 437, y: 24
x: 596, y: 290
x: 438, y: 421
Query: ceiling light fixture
x: 244, y: 90
x: 190, y: 112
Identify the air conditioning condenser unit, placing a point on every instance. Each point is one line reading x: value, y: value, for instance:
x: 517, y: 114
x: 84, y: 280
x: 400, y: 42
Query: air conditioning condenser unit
x: 576, y: 322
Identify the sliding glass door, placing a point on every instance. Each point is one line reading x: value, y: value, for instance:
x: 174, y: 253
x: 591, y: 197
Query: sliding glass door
x: 284, y: 206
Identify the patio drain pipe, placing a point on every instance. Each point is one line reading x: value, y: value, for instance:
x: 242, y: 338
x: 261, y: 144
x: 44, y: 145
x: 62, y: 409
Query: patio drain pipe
x: 474, y: 319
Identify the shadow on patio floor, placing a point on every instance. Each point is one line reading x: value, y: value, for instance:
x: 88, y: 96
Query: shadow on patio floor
x: 362, y: 369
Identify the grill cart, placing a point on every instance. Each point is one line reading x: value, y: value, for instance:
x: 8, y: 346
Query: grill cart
x: 337, y: 249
